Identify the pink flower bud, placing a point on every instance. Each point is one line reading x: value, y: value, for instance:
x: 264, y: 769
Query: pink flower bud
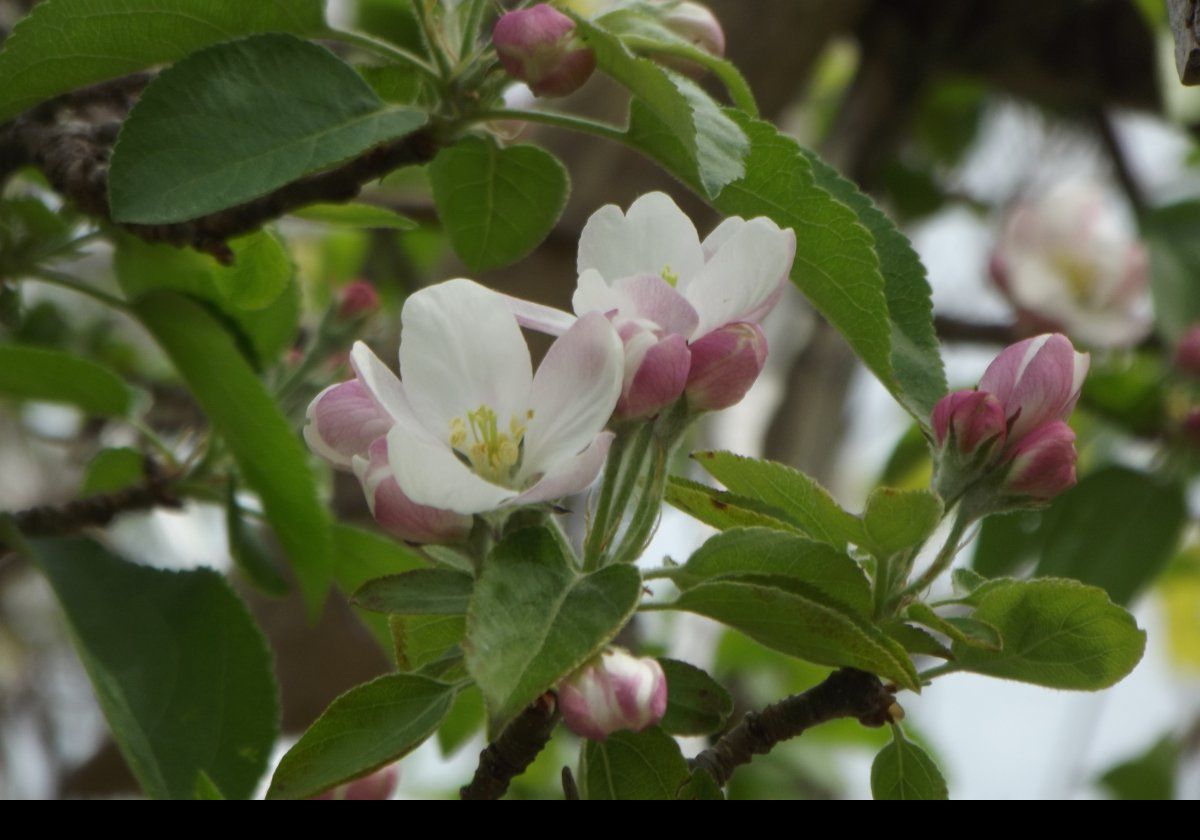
x: 539, y: 47
x: 971, y: 420
x: 656, y: 370
x: 1189, y: 428
x: 357, y: 300
x: 616, y: 691
x: 379, y: 785
x: 697, y: 24
x: 1037, y: 381
x: 725, y: 363
x: 1187, y: 354
x: 395, y: 512
x: 1043, y: 462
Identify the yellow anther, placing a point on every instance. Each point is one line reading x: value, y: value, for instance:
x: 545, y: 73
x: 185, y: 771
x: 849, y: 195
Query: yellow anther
x: 492, y: 454
x: 670, y: 276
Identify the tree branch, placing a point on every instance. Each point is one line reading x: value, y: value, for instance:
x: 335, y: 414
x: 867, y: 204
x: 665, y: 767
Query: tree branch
x: 1182, y: 15
x: 70, y: 139
x: 844, y: 693
x: 516, y: 748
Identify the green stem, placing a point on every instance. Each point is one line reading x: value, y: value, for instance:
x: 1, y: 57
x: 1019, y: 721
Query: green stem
x: 471, y: 29
x: 945, y: 557
x: 431, y: 41
x: 386, y: 50
x: 67, y: 282
x: 558, y: 120
x: 597, y: 536
x: 663, y: 573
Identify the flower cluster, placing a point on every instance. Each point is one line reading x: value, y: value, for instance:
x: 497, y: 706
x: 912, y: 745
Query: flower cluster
x: 1014, y: 424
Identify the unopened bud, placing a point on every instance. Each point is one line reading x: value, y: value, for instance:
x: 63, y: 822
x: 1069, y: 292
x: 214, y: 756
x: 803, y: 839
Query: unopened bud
x: 539, y: 47
x: 656, y: 369
x: 378, y: 785
x: 972, y: 421
x: 357, y: 300
x: 1037, y: 380
x: 1043, y: 462
x: 395, y: 512
x: 616, y: 691
x: 725, y: 363
x: 1187, y: 354
x: 696, y: 23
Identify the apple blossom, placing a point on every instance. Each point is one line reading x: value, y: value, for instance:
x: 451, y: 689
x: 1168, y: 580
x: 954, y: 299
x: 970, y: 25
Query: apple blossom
x: 358, y: 300
x: 972, y: 421
x: 1069, y: 261
x: 615, y: 691
x: 1037, y: 381
x: 538, y: 45
x: 1043, y: 462
x: 472, y: 429
x: 725, y: 363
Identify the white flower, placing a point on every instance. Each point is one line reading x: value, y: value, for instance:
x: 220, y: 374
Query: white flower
x: 1069, y: 261
x: 472, y: 428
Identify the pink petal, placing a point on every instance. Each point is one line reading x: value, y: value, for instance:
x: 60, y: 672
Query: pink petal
x: 343, y: 420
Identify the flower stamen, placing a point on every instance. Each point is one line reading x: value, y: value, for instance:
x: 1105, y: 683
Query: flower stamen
x: 492, y: 454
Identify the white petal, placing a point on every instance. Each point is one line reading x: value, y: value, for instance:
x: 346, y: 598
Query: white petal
x: 655, y: 300
x: 460, y: 349
x: 594, y: 294
x: 570, y: 476
x: 378, y: 378
x: 574, y: 393
x: 429, y: 473
x: 743, y: 274
x: 653, y: 237
x: 537, y: 316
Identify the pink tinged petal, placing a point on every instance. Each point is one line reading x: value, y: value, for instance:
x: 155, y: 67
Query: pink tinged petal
x: 428, y: 472
x: 539, y: 47
x: 379, y: 785
x: 743, y: 275
x: 972, y: 419
x: 648, y: 297
x: 537, y: 316
x: 395, y: 512
x: 658, y: 381
x: 380, y: 382
x: 461, y: 348
x: 573, y: 394
x: 653, y: 236
x: 569, y: 475
x: 616, y: 691
x: 1037, y: 380
x: 725, y: 364
x: 343, y: 420
x: 1043, y: 463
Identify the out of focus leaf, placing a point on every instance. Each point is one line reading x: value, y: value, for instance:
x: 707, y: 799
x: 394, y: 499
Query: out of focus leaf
x: 34, y: 373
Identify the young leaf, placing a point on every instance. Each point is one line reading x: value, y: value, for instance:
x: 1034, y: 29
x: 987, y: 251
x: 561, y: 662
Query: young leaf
x: 968, y: 631
x: 793, y: 618
x: 797, y: 498
x: 181, y: 671
x: 642, y: 765
x: 1057, y: 633
x: 69, y: 44
x: 902, y: 770
x: 718, y: 508
x: 696, y: 703
x: 355, y: 216
x: 896, y: 520
x: 250, y: 554
x: 35, y: 373
x: 237, y: 120
x: 419, y: 592
x: 1150, y: 776
x: 270, y: 456
x: 915, y: 640
x: 261, y: 272
x: 368, y: 727
x: 497, y: 204
x: 113, y: 469
x: 533, y: 619
x: 360, y: 556
x: 758, y: 551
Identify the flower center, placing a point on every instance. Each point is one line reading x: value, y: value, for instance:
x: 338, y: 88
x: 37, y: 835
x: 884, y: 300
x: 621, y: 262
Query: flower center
x: 670, y: 276
x: 1079, y: 276
x: 478, y: 441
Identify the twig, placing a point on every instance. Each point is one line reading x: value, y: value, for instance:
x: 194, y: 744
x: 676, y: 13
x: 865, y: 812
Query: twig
x: 844, y: 693
x: 1182, y: 15
x: 516, y: 748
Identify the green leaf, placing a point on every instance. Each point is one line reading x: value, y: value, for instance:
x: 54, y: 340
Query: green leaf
x: 261, y: 272
x: 421, y: 640
x: 181, y: 671
x: 701, y: 787
x: 69, y: 44
x: 1006, y: 543
x: 1146, y: 777
x: 719, y: 508
x: 360, y: 556
x: 262, y: 334
x: 250, y: 553
x: 642, y: 765
x: 1174, y: 264
x: 111, y: 470
x: 34, y: 373
x: 234, y: 121
x: 796, y: 497
x: 355, y: 216
x: 708, y: 147
x: 794, y: 618
x: 497, y: 204
x: 1117, y: 529
x: 419, y: 592
x: 368, y: 727
x: 743, y: 552
x: 465, y: 719
x: 915, y: 640
x: 696, y: 703
x: 897, y: 520
x: 1057, y: 633
x: 916, y: 360
x: 902, y: 770
x: 533, y: 619
x: 968, y: 631
x: 269, y: 454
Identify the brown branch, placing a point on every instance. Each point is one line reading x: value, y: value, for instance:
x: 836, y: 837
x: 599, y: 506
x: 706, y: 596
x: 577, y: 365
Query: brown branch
x: 70, y: 139
x: 1183, y: 20
x: 844, y: 693
x: 516, y: 748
